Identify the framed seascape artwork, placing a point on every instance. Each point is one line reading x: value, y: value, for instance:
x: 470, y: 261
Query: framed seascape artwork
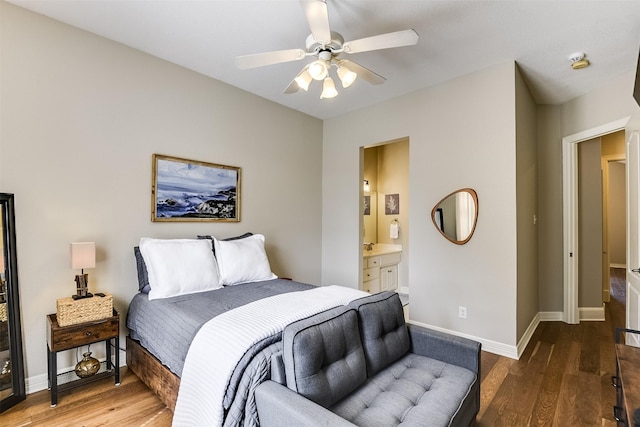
x: 190, y: 190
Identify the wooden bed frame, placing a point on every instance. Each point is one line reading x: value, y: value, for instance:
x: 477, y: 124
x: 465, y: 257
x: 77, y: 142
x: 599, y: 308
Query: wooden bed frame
x: 153, y: 373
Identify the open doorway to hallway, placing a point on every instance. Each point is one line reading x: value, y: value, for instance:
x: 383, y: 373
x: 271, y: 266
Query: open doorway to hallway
x: 616, y: 307
x: 601, y: 219
x: 614, y: 207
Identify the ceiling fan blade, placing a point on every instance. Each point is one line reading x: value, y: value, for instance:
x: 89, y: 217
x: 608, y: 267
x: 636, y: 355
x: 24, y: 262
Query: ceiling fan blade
x: 382, y: 41
x: 318, y: 18
x: 268, y: 58
x: 292, y: 88
x: 363, y: 73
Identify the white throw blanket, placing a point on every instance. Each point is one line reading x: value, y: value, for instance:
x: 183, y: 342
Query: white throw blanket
x: 222, y: 341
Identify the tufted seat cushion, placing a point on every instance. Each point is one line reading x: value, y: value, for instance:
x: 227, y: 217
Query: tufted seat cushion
x: 414, y: 391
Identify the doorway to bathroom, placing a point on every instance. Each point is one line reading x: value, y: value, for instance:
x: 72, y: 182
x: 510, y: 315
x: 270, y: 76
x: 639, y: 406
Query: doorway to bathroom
x: 385, y: 209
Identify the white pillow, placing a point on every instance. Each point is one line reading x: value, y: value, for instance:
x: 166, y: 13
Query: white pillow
x: 243, y: 260
x: 179, y: 266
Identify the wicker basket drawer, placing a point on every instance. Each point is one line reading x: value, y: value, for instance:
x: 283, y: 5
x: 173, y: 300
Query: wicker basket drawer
x: 72, y: 312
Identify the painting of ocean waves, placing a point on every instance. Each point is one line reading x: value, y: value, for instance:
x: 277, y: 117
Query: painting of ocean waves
x: 189, y: 190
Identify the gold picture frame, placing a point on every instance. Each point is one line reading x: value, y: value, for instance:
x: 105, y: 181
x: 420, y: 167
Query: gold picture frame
x: 186, y: 190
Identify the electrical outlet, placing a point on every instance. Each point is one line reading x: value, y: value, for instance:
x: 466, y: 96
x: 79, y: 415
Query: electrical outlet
x: 462, y: 312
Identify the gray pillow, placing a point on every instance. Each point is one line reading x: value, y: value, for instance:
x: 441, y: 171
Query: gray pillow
x: 143, y: 275
x: 210, y: 237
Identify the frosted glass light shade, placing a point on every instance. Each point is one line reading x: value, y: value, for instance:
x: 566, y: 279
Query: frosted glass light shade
x: 328, y: 89
x: 83, y: 255
x: 347, y: 77
x: 303, y: 80
x: 318, y: 70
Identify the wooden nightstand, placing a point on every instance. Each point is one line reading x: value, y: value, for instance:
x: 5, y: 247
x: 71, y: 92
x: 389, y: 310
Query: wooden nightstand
x: 61, y: 338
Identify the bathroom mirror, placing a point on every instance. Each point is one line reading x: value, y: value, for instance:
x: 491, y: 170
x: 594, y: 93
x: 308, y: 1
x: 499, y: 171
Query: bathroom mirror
x: 12, y: 386
x: 456, y: 215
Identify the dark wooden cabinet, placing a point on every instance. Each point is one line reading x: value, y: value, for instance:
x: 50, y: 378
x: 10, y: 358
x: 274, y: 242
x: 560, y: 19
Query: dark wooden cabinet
x: 627, y: 381
x: 61, y: 338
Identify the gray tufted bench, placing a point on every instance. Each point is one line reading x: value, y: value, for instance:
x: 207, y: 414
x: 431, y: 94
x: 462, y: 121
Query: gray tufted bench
x: 362, y: 365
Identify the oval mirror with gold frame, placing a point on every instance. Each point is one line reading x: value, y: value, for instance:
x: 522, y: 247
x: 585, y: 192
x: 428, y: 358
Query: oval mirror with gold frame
x: 456, y: 215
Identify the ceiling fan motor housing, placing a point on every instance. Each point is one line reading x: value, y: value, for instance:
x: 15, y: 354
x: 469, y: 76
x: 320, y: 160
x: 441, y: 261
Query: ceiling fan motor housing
x: 314, y: 47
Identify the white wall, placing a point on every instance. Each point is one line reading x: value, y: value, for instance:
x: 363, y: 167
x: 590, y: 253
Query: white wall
x: 81, y: 117
x: 458, y: 132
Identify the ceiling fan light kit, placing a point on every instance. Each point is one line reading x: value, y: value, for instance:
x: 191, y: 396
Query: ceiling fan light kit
x: 347, y: 77
x: 327, y: 46
x: 328, y: 89
x: 318, y: 69
x: 303, y: 80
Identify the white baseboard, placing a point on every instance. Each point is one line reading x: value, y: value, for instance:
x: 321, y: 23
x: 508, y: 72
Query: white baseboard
x: 37, y: 383
x: 592, y: 314
x: 41, y: 382
x: 550, y: 316
x: 587, y: 314
x: 526, y: 337
x: 487, y: 345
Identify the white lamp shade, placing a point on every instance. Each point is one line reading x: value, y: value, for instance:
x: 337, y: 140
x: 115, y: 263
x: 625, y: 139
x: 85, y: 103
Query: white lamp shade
x: 328, y: 89
x: 303, y: 80
x: 318, y: 70
x: 347, y: 77
x: 83, y: 255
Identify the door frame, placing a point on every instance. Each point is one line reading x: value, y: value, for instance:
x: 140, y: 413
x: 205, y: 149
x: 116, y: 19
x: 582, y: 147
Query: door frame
x: 571, y: 312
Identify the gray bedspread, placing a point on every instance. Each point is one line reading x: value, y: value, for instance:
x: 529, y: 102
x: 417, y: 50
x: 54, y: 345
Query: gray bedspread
x: 166, y: 327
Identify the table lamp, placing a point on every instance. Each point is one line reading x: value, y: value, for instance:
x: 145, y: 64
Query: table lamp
x: 83, y: 255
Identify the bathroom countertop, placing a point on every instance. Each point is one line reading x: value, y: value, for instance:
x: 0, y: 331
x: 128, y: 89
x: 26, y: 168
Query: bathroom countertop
x: 382, y: 249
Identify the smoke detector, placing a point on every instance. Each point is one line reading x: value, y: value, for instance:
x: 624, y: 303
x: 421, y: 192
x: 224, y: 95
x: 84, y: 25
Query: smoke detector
x: 578, y: 60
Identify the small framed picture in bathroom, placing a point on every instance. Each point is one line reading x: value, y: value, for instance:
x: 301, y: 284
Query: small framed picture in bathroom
x: 392, y: 204
x: 366, y: 210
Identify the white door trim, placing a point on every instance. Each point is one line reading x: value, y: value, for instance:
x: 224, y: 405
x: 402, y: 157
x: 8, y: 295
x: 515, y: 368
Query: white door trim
x: 570, y: 143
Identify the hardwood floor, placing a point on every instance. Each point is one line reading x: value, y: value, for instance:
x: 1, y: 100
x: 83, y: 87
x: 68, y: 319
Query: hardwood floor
x: 97, y: 404
x: 562, y: 379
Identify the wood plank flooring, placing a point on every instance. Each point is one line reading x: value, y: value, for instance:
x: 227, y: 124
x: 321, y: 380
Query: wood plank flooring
x: 562, y: 379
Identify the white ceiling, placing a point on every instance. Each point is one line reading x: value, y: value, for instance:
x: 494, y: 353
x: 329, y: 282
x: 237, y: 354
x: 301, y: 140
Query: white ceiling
x: 456, y: 37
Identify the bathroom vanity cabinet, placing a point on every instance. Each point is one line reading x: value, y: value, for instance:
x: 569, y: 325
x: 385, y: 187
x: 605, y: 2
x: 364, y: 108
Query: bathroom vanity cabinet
x: 380, y: 270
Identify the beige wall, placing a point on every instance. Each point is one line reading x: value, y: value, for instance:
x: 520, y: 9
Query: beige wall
x: 455, y: 130
x: 386, y: 166
x: 614, y: 147
x: 609, y: 103
x: 526, y: 199
x: 550, y: 250
x: 589, y: 224
x: 617, y: 214
x: 370, y: 173
x: 81, y: 117
x: 393, y: 178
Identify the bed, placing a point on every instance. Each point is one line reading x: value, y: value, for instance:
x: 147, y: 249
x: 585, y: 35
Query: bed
x: 222, y: 323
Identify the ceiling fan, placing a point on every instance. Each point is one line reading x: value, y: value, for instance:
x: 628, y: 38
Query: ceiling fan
x: 327, y: 47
